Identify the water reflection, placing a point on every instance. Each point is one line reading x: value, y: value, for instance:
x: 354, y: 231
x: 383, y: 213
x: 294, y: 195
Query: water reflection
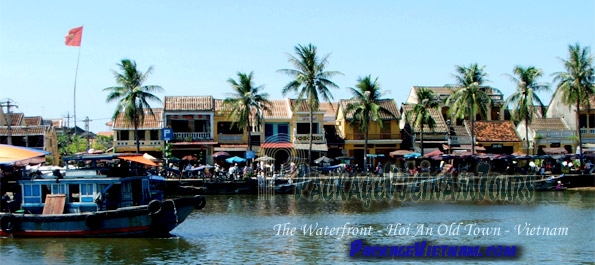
x: 240, y: 229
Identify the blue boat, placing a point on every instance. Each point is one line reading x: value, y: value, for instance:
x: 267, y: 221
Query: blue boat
x: 106, y: 195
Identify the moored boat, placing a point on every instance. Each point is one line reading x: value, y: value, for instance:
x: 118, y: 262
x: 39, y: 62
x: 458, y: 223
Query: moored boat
x: 107, y: 195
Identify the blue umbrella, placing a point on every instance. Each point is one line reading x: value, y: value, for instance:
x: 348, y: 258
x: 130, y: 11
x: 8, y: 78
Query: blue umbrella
x: 412, y: 155
x: 235, y: 159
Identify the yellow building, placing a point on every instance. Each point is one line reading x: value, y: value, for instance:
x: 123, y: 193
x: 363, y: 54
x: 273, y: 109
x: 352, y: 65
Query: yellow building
x: 381, y: 140
x: 149, y: 134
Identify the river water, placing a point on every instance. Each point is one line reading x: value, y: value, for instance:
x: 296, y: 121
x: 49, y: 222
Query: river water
x: 244, y: 229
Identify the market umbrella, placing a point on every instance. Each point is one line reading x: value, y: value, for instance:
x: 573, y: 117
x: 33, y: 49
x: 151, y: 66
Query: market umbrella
x: 150, y: 157
x: 18, y: 155
x: 189, y: 157
x: 323, y: 159
x: 264, y: 158
x: 400, y: 153
x: 412, y: 155
x: 221, y: 154
x: 235, y: 159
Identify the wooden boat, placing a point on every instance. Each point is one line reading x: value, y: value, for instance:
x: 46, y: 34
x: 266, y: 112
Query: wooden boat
x: 97, y: 198
x: 549, y: 184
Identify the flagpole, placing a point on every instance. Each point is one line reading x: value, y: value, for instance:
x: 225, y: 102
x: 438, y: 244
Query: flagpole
x: 75, y: 77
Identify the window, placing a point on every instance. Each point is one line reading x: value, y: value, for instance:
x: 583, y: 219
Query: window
x: 32, y: 193
x: 75, y: 195
x: 225, y: 127
x: 123, y: 135
x: 268, y: 130
x: 154, y: 135
x: 142, y: 135
x: 58, y: 189
x: 304, y: 128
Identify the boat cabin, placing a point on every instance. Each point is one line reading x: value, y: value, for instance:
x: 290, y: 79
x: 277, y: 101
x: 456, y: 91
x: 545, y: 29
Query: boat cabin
x: 93, y: 183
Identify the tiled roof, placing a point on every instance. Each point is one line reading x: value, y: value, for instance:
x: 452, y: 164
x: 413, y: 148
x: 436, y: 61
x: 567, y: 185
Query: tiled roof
x: 436, y: 115
x: 106, y: 134
x: 150, y: 122
x: 189, y: 103
x: 443, y: 91
x: 15, y: 119
x: 36, y: 120
x: 330, y: 110
x: 388, y: 104
x: 494, y: 131
x: 548, y: 124
x: 57, y: 123
x: 279, y: 110
x: 24, y: 130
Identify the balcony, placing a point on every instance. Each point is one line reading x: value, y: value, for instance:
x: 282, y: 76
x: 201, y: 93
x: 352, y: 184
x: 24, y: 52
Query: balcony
x: 316, y: 138
x: 371, y: 136
x: 192, y: 136
x: 145, y: 145
x: 230, y: 138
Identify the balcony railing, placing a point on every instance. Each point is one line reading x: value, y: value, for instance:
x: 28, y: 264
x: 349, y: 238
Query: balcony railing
x: 371, y: 136
x: 192, y: 136
x: 556, y: 134
x: 230, y: 138
x: 588, y: 131
x: 124, y: 143
x: 316, y: 138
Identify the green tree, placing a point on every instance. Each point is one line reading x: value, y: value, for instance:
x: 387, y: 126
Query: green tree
x: 69, y: 145
x: 366, y: 107
x: 469, y: 97
x: 422, y: 113
x: 133, y: 97
x: 245, y: 101
x: 311, y: 81
x: 576, y: 83
x: 525, y: 102
x: 103, y: 142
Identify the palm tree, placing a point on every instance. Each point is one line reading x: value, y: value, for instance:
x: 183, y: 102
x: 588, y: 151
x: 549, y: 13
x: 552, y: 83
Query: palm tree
x: 470, y: 97
x: 133, y: 96
x: 366, y: 107
x: 421, y: 113
x: 576, y: 84
x: 311, y: 81
x: 525, y: 98
x: 245, y: 100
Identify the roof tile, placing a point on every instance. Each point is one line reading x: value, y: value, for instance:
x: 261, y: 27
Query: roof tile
x: 189, y: 103
x: 494, y: 131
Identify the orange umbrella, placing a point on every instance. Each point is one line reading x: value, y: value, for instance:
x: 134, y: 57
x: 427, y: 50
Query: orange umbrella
x: 10, y: 154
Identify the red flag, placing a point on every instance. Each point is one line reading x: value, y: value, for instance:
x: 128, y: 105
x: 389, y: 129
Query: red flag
x: 74, y: 37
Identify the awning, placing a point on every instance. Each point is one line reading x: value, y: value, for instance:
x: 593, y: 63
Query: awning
x: 468, y: 147
x: 555, y: 150
x: 315, y: 147
x: 139, y: 159
x: 231, y: 147
x: 195, y: 143
x: 276, y: 145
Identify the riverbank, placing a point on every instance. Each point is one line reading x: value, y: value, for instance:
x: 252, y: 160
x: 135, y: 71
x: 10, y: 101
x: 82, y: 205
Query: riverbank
x: 251, y: 186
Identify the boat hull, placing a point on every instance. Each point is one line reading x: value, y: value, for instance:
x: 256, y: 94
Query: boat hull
x: 154, y: 220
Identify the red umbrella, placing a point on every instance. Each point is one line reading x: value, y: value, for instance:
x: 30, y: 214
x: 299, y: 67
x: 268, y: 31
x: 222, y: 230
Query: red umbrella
x: 189, y: 157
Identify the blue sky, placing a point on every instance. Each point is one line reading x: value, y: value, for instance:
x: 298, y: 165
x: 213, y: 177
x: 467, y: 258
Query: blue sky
x: 195, y: 46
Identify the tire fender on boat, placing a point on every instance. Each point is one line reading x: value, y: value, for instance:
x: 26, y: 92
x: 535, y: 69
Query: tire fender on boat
x: 200, y: 202
x: 9, y: 223
x: 154, y: 206
x: 93, y: 221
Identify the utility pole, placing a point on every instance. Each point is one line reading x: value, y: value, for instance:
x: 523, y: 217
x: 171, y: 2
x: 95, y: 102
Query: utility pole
x: 68, y: 119
x: 86, y: 120
x: 8, y: 104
